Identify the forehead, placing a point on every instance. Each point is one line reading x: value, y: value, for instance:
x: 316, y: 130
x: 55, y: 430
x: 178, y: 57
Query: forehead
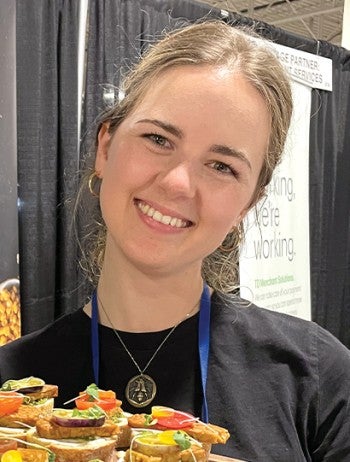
x: 176, y: 89
x: 201, y: 81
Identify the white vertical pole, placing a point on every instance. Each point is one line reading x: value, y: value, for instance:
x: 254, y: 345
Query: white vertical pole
x: 345, y: 40
x: 83, y: 11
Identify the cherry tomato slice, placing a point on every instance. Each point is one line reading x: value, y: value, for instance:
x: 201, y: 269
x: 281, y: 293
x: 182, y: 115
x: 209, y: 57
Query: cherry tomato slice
x: 106, y: 400
x: 106, y: 394
x: 106, y: 405
x: 10, y: 401
x: 176, y: 421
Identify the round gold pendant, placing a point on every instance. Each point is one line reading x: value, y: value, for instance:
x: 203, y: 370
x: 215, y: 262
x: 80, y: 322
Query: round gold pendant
x: 140, y: 390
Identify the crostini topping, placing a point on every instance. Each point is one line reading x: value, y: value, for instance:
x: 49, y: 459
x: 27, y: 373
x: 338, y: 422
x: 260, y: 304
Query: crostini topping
x: 25, y: 385
x: 91, y: 417
x: 105, y: 399
x: 170, y: 418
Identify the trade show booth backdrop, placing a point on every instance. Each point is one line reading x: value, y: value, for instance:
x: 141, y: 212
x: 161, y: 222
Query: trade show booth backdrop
x: 48, y: 160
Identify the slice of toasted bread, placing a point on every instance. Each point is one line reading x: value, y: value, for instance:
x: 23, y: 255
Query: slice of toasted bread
x: 48, y: 429
x: 34, y: 455
x: 203, y: 432
x: 195, y: 453
x: 120, y: 418
x: 47, y: 391
x: 18, y: 433
x: 28, y: 414
x: 208, y: 433
x: 124, y: 436
x: 77, y: 450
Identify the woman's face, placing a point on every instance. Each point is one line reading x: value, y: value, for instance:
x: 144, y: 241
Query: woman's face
x: 181, y: 169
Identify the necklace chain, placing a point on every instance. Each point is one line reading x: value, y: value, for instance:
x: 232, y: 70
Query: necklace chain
x: 142, y: 371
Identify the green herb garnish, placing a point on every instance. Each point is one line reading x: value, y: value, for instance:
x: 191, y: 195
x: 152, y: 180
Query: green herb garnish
x: 93, y: 412
x: 92, y: 392
x: 182, y: 440
x: 149, y: 420
x: 33, y: 402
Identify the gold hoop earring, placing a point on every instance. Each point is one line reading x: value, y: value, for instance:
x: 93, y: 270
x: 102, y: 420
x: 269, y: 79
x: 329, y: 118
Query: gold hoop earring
x: 92, y: 183
x: 232, y: 241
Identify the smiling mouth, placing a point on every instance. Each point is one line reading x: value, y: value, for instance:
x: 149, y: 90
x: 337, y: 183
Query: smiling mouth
x: 156, y: 215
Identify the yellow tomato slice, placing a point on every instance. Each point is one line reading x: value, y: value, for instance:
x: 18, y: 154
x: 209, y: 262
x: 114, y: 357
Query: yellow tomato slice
x: 11, y: 456
x: 147, y: 439
x: 162, y: 438
x: 167, y: 437
x: 161, y: 411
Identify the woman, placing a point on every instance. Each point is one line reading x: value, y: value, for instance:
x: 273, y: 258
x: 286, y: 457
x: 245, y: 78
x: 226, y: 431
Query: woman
x: 179, y: 162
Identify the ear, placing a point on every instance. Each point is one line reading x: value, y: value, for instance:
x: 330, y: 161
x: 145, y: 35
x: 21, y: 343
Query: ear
x: 103, y: 141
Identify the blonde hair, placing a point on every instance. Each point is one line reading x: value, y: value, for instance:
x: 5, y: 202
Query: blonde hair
x: 211, y: 43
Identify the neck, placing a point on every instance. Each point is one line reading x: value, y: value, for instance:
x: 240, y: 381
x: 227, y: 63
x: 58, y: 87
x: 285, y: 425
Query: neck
x: 130, y: 300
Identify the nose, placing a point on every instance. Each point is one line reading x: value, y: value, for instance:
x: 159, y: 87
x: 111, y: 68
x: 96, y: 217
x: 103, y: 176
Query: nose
x: 178, y: 180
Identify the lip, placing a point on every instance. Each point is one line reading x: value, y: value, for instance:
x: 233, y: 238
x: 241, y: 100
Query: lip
x: 158, y: 227
x: 164, y: 210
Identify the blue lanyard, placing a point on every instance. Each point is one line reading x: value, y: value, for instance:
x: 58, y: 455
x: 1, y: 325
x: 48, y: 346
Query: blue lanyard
x: 203, y: 343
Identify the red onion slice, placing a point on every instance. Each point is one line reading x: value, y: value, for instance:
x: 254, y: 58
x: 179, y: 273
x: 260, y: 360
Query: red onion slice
x: 78, y: 421
x: 32, y: 389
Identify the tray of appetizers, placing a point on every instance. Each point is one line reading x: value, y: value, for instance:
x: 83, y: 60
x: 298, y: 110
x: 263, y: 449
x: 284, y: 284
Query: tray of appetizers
x: 95, y: 429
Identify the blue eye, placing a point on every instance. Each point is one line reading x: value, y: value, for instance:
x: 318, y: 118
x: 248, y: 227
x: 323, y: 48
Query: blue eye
x: 159, y: 140
x: 221, y: 167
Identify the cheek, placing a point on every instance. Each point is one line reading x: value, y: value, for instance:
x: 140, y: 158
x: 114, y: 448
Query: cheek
x: 127, y: 171
x: 121, y: 165
x: 223, y: 211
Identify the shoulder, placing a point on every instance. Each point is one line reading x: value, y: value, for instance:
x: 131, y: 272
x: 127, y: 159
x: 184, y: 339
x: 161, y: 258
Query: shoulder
x: 41, y: 346
x: 246, y: 315
x: 276, y: 331
x: 299, y: 366
x: 66, y: 325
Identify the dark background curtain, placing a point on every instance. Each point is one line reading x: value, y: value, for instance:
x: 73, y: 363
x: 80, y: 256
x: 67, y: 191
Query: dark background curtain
x: 118, y: 31
x: 47, y: 38
x: 330, y: 198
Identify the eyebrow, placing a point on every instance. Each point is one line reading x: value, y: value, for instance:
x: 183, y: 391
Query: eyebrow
x: 218, y: 148
x: 227, y: 151
x: 165, y: 126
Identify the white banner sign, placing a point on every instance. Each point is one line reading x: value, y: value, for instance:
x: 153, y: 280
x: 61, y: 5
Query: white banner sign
x: 307, y: 68
x: 274, y: 262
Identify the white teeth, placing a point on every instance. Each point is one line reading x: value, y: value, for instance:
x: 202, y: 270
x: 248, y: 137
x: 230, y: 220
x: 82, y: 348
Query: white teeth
x: 166, y: 219
x: 157, y: 216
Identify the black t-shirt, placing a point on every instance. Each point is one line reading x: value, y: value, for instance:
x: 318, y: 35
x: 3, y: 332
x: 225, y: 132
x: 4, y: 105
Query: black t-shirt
x: 281, y: 385
x: 61, y: 354
x: 175, y: 368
